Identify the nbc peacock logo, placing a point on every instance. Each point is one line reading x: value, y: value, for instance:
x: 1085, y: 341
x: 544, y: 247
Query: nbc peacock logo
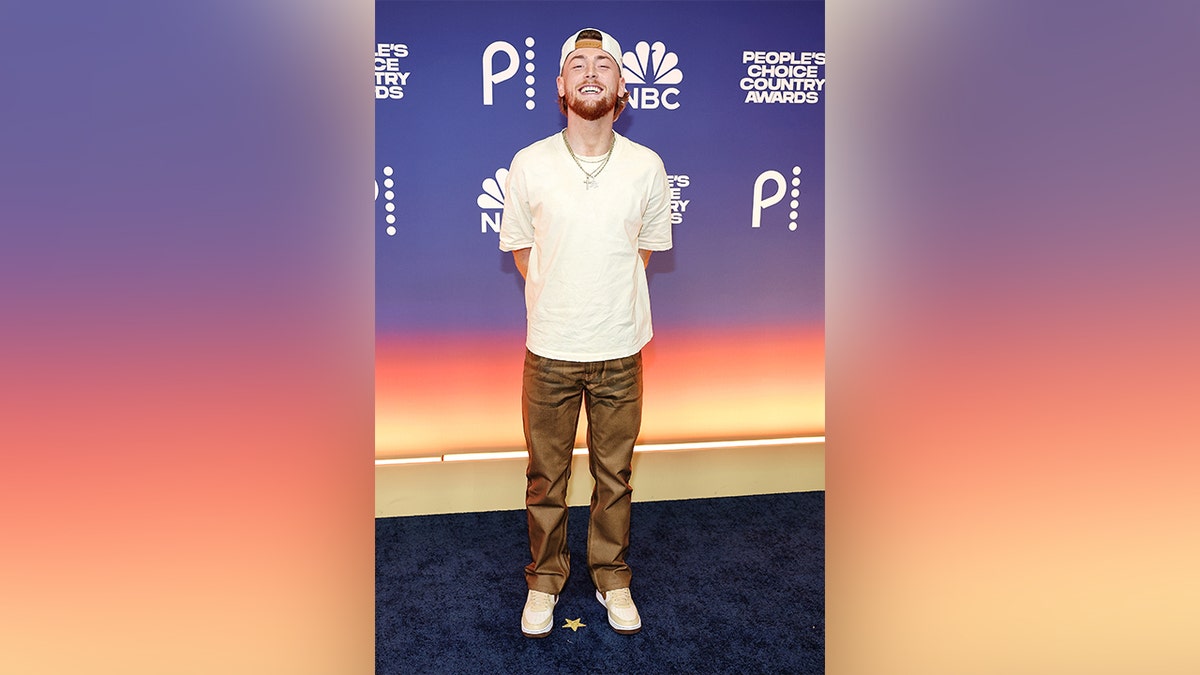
x: 650, y: 70
x: 491, y: 200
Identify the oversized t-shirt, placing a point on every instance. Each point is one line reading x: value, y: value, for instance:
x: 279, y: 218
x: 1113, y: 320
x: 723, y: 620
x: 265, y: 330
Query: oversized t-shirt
x: 586, y: 296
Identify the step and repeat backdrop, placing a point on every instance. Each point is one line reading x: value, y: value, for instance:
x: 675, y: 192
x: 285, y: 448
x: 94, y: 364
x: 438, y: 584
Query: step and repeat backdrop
x: 731, y: 96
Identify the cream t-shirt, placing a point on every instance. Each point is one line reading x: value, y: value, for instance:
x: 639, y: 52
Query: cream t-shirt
x: 586, y: 296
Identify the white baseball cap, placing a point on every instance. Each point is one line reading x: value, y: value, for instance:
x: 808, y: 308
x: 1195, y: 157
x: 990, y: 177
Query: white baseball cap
x: 606, y: 42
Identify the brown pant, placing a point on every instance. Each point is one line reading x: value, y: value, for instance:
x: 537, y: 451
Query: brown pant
x: 611, y: 394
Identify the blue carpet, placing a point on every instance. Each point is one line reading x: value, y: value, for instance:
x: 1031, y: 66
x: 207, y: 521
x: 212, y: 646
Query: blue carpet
x: 729, y: 585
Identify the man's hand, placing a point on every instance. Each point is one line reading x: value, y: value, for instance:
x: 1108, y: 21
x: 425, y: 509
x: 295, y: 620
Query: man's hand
x: 521, y: 257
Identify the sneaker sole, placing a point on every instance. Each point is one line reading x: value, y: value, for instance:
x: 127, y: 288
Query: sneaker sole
x: 623, y: 630
x: 542, y: 634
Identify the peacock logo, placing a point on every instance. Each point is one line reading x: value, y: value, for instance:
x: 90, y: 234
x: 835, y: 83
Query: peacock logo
x: 650, y: 71
x: 491, y: 200
x: 762, y: 201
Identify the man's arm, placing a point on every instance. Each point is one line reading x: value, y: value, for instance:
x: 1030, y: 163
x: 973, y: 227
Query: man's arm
x: 641, y: 251
x: 521, y: 257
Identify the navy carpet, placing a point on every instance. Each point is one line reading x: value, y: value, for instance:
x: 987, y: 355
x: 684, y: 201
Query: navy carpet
x: 729, y: 585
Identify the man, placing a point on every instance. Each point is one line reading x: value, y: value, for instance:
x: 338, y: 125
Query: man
x: 583, y: 210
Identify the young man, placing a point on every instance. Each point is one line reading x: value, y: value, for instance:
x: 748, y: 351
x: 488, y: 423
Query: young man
x: 583, y: 211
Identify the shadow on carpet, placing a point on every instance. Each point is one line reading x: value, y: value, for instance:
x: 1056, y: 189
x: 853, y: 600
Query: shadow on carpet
x: 726, y: 585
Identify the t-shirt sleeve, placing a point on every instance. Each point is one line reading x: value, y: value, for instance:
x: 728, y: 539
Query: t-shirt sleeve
x: 516, y: 225
x: 655, y: 234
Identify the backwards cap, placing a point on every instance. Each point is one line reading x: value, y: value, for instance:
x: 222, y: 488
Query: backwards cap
x: 606, y: 42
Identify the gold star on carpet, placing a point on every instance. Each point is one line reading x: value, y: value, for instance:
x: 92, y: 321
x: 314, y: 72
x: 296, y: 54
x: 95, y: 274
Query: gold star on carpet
x: 574, y: 624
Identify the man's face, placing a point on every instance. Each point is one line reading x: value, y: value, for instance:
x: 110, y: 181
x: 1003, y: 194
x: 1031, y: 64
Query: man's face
x: 591, y: 82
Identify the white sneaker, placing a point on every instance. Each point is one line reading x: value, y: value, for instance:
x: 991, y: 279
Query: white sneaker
x: 622, y: 613
x: 538, y: 617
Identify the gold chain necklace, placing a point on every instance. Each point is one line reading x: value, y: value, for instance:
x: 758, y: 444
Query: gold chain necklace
x: 590, y: 181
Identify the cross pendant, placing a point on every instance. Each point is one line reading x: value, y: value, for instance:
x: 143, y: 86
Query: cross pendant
x: 590, y: 182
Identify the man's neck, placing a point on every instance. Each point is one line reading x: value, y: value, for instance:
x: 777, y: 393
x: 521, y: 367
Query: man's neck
x: 589, y: 138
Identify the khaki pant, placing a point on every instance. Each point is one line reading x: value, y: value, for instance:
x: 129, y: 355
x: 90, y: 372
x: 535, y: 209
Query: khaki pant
x: 611, y: 395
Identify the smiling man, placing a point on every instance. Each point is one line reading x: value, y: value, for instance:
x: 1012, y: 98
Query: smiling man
x: 583, y: 211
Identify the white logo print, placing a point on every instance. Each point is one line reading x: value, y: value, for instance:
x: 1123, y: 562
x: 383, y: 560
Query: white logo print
x: 389, y: 199
x: 652, y: 68
x: 783, y: 77
x: 390, y: 80
x: 491, y: 77
x: 492, y: 198
x: 652, y: 65
x: 677, y: 183
x: 762, y: 202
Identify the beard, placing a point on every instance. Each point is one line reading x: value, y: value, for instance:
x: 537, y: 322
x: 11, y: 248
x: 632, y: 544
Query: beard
x: 592, y: 109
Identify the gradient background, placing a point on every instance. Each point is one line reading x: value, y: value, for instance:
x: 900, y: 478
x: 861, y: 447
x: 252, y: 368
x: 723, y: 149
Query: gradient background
x: 738, y: 312
x: 1011, y: 321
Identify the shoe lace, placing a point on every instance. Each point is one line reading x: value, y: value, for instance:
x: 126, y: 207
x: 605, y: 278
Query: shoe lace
x: 619, y: 598
x: 538, y: 601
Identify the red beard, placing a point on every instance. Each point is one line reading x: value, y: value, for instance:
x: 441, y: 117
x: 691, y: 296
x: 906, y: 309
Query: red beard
x: 592, y: 109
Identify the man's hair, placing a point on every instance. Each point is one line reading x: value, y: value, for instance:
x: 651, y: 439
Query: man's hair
x: 591, y: 34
